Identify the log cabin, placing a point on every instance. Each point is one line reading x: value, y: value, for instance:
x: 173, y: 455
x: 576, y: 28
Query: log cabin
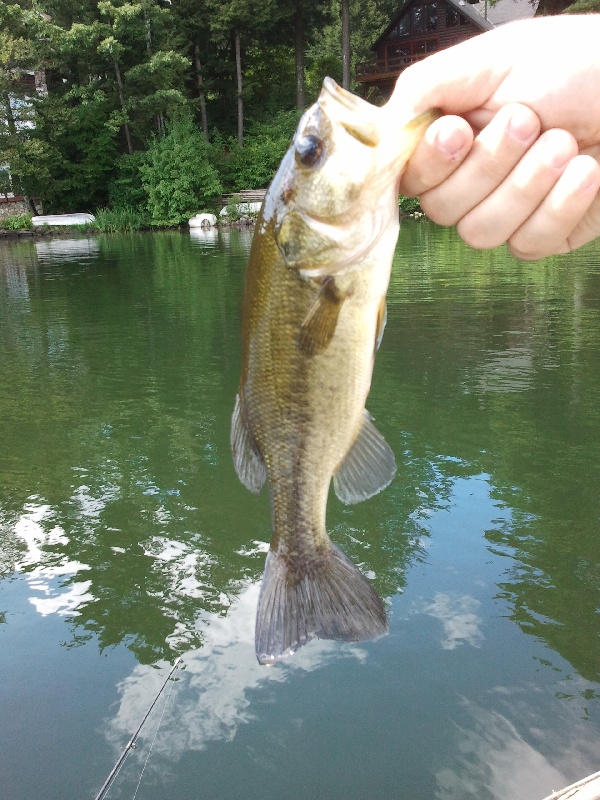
x: 418, y: 28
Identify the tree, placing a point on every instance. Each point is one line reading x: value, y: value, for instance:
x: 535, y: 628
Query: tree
x: 233, y: 20
x: 23, y: 54
x: 345, y: 8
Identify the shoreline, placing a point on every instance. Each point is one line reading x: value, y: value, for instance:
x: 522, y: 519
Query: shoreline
x: 80, y: 231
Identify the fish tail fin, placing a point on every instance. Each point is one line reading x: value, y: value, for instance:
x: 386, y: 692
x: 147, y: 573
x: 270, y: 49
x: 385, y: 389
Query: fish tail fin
x: 327, y: 598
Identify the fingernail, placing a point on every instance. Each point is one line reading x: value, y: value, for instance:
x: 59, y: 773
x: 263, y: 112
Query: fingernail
x: 451, y: 142
x: 559, y: 148
x: 522, y: 124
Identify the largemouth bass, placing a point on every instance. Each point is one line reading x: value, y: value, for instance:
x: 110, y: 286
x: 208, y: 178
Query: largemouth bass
x: 313, y: 316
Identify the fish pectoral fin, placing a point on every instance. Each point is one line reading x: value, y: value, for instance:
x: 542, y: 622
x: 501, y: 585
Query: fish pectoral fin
x: 369, y: 465
x: 325, y: 598
x: 247, y: 460
x: 318, y: 328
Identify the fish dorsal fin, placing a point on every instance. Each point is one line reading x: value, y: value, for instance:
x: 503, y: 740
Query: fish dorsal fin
x: 247, y: 460
x: 368, y: 468
x: 318, y: 328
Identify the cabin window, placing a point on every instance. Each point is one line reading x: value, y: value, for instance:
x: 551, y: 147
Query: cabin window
x: 398, y: 51
x: 421, y: 19
x: 452, y: 17
x: 431, y: 16
x: 424, y: 18
x: 401, y: 28
x: 428, y: 46
x: 405, y: 52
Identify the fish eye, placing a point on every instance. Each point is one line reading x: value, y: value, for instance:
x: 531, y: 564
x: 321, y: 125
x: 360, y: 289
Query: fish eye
x: 308, y: 150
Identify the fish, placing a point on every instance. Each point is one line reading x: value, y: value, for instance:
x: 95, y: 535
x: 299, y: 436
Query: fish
x: 313, y: 315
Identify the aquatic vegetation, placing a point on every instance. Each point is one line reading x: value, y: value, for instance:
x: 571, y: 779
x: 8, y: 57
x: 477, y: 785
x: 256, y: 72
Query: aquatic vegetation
x: 18, y: 222
x: 120, y: 220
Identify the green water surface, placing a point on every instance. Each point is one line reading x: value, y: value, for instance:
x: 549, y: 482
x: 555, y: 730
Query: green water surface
x: 127, y: 540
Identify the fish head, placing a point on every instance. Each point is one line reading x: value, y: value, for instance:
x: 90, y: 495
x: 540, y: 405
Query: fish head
x: 335, y: 192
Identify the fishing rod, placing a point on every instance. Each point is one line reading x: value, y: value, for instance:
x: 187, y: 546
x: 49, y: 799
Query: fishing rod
x: 131, y: 743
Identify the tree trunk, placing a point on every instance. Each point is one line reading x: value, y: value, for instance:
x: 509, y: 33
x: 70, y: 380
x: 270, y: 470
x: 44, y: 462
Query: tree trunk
x: 240, y: 103
x: 346, y: 44
x: 122, y: 101
x: 201, y: 94
x: 10, y: 118
x: 148, y: 32
x: 15, y: 180
x: 299, y: 53
x: 41, y: 86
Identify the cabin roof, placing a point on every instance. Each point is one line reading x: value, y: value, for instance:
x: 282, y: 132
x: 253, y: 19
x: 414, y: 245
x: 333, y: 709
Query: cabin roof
x: 461, y: 5
x: 504, y: 11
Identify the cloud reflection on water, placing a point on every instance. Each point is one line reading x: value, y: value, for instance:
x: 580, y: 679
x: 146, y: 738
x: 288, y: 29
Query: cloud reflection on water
x: 505, y: 750
x: 212, y: 696
x: 462, y: 625
x: 65, y: 598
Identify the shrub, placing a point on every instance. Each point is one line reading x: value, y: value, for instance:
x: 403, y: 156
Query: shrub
x: 16, y: 223
x: 254, y: 165
x: 410, y: 205
x: 177, y: 176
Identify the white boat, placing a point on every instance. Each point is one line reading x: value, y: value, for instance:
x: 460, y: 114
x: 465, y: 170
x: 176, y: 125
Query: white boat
x: 63, y: 219
x: 202, y: 220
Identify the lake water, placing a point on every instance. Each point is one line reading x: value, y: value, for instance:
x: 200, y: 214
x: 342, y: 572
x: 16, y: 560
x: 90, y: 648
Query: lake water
x: 126, y: 539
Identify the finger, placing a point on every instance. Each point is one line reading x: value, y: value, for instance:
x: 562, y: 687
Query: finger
x: 450, y: 80
x: 440, y: 152
x: 499, y: 215
x: 569, y: 216
x: 494, y: 154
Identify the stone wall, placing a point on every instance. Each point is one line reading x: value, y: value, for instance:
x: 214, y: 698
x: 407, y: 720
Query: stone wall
x: 16, y: 206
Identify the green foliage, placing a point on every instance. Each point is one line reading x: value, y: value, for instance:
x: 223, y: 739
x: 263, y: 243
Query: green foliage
x: 320, y: 68
x: 124, y: 219
x: 70, y: 155
x: 233, y: 212
x: 16, y: 223
x: 409, y: 205
x: 583, y: 7
x: 116, y: 70
x: 368, y: 19
x: 253, y: 165
x: 125, y: 190
x: 177, y: 175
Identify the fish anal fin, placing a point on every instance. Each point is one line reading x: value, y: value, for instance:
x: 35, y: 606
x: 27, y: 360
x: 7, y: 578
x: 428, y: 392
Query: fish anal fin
x: 246, y: 458
x: 369, y: 465
x: 318, y: 328
x: 327, y: 599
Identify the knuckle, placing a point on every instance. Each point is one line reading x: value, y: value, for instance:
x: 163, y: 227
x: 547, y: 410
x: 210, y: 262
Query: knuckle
x: 528, y: 251
x: 438, y: 210
x: 475, y: 235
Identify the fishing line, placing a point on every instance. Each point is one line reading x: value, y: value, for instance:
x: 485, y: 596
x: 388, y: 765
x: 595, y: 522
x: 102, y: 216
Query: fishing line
x: 131, y: 743
x: 168, y: 695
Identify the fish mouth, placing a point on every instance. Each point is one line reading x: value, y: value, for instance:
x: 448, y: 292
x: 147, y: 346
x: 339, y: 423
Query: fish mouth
x: 359, y: 118
x: 349, y: 236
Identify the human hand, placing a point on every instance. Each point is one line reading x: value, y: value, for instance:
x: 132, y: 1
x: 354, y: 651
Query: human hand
x: 521, y: 163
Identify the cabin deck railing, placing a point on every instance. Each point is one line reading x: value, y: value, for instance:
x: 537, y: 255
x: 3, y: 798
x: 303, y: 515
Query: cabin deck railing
x: 386, y: 66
